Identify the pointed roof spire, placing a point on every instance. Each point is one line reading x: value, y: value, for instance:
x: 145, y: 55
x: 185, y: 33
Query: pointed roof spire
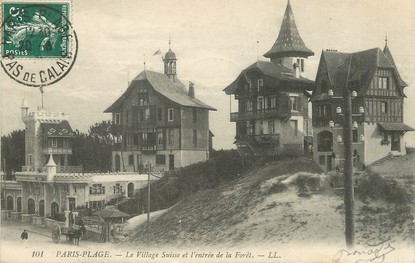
x: 289, y: 42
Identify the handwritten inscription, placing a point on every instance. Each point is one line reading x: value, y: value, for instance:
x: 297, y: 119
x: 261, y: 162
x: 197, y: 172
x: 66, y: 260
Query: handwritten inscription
x: 376, y: 252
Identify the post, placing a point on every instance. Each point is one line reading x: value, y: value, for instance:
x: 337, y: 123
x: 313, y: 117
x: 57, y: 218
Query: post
x: 348, y: 168
x: 148, y: 203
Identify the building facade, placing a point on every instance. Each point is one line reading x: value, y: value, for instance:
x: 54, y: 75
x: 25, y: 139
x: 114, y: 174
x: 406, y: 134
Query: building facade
x: 377, y: 107
x: 47, y: 186
x: 158, y: 121
x: 272, y: 116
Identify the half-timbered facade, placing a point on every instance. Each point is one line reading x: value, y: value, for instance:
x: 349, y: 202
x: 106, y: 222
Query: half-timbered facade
x: 377, y: 107
x: 272, y: 115
x: 159, y: 121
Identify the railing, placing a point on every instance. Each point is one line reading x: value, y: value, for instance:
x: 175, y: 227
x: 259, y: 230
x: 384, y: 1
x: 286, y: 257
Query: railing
x: 69, y: 169
x: 269, y: 113
x: 54, y: 150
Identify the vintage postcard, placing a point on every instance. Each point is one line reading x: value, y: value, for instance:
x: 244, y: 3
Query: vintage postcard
x: 266, y: 131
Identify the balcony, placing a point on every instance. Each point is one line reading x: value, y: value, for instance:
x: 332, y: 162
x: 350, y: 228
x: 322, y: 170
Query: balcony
x: 259, y: 114
x: 69, y: 169
x: 54, y: 150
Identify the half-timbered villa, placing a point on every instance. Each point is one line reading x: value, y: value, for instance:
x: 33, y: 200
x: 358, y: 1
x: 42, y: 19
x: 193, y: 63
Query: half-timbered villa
x: 377, y: 107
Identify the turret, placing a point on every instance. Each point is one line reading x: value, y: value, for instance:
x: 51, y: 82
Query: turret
x: 51, y: 168
x: 170, y: 64
x: 24, y: 109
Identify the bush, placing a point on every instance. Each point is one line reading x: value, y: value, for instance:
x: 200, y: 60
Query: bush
x: 376, y: 187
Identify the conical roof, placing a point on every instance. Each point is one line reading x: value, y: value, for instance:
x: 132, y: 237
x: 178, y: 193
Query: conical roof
x: 289, y: 42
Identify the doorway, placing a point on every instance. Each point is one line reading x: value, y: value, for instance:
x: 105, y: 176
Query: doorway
x: 171, y: 162
x: 31, y: 209
x: 117, y: 163
x: 54, y: 210
x: 130, y: 189
x: 42, y: 208
x: 71, y: 202
x: 396, y: 142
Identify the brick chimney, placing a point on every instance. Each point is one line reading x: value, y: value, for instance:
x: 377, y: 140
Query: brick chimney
x: 191, y: 90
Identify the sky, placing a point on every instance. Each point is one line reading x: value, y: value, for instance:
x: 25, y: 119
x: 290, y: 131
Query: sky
x: 213, y: 41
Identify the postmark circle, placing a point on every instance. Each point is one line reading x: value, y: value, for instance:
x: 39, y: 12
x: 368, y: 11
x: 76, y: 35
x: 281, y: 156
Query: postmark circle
x: 39, y: 45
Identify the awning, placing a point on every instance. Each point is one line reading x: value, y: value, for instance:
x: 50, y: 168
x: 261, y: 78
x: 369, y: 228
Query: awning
x: 62, y: 129
x: 395, y: 126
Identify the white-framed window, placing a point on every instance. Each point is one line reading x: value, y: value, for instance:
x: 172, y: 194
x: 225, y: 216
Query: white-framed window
x: 294, y: 103
x: 170, y: 114
x: 260, y: 105
x: 260, y: 83
x: 160, y: 139
x: 383, y: 82
x: 117, y: 189
x: 117, y: 118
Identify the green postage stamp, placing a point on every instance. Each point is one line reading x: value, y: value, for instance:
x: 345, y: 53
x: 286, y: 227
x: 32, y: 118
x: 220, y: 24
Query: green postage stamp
x: 39, y: 31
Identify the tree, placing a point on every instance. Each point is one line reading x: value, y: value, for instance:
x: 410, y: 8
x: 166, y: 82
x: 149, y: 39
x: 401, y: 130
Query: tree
x: 13, y: 152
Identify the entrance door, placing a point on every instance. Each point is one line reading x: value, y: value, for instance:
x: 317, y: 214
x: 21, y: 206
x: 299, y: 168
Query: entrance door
x: 54, y: 210
x: 71, y: 201
x: 396, y: 142
x: 171, y: 162
x: 329, y: 163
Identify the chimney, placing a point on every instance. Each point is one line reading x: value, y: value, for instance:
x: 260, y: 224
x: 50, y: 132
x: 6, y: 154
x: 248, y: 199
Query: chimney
x: 296, y: 71
x: 51, y: 169
x: 191, y: 89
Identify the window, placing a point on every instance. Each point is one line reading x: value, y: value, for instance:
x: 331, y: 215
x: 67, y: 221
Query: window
x: 117, y: 189
x: 170, y: 114
x: 260, y: 105
x: 194, y: 114
x: 55, y: 142
x: 128, y: 139
x: 143, y: 96
x: 160, y: 139
x: 194, y: 138
x: 271, y: 127
x: 300, y: 63
x: 384, y: 107
x: 97, y: 189
x: 117, y: 118
x: 159, y: 114
x: 260, y: 83
x: 383, y: 83
x: 294, y: 126
x: 322, y: 159
x: 355, y: 135
x: 294, y: 104
x: 273, y: 103
x: 130, y: 159
x: 144, y: 139
x: 248, y: 105
x: 171, y: 136
x: 160, y: 159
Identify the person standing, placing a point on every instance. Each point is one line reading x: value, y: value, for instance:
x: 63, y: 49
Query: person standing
x: 24, y: 236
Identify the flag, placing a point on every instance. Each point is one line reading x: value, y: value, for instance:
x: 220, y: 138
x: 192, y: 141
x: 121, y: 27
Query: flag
x: 41, y: 89
x: 158, y: 52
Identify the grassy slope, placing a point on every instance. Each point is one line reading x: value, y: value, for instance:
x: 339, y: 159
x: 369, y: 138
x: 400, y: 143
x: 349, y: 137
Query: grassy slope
x: 245, y: 211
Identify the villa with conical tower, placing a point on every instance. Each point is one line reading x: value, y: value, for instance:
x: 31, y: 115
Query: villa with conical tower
x: 160, y: 122
x: 272, y: 116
